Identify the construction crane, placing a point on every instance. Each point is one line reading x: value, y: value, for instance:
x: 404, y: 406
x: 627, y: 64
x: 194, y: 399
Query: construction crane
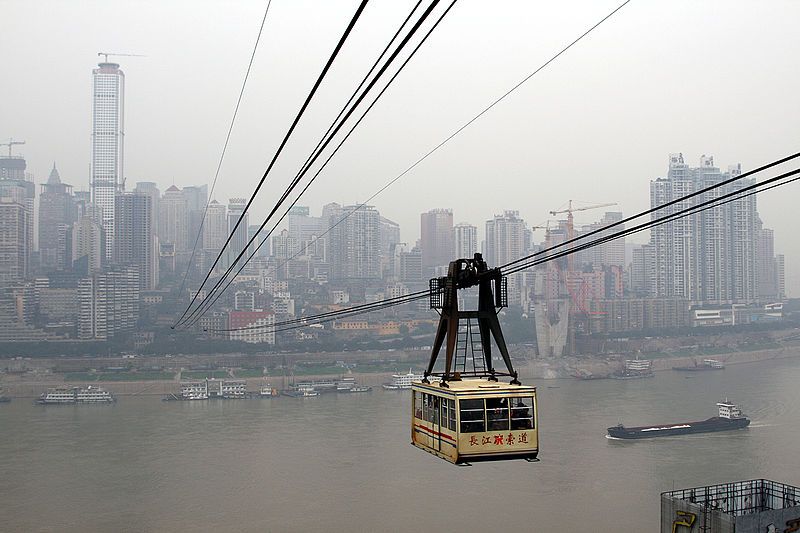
x: 571, y: 225
x: 106, y: 54
x: 10, y: 143
x: 578, y: 294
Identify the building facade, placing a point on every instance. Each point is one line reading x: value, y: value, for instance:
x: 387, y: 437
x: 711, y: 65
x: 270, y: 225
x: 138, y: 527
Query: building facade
x: 436, y: 239
x: 57, y: 213
x: 135, y: 243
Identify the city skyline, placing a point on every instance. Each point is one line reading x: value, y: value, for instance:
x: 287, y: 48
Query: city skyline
x: 539, y: 129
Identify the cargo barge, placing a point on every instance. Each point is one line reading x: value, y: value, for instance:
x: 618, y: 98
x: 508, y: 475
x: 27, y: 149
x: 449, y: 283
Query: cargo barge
x: 730, y: 418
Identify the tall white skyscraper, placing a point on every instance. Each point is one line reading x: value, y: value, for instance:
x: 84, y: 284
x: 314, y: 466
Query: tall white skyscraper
x: 108, y: 136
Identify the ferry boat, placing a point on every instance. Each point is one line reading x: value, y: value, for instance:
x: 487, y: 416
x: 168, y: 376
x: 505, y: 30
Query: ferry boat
x: 730, y: 417
x: 707, y: 364
x: 71, y: 395
x: 301, y: 390
x: 359, y: 388
x: 404, y: 381
x: 635, y: 369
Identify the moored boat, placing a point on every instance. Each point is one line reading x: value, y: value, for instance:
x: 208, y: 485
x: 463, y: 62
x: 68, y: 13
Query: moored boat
x: 730, y: 417
x: 73, y: 395
x: 707, y: 364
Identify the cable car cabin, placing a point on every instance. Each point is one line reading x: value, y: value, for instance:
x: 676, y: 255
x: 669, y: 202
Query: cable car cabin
x: 475, y: 420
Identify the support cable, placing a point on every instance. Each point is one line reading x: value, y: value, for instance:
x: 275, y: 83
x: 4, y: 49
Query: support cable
x: 200, y: 310
x: 459, y: 130
x: 307, y: 101
x: 224, y: 149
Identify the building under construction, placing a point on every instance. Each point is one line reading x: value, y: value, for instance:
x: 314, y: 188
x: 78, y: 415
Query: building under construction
x: 757, y: 505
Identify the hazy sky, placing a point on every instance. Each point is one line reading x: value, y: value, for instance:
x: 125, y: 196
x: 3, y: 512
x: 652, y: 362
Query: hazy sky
x: 708, y: 77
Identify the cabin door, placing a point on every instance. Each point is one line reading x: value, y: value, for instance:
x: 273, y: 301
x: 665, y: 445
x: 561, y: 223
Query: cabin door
x: 436, y: 440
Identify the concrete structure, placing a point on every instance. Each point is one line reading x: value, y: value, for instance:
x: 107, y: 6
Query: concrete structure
x: 709, y: 256
x: 753, y: 506
x: 57, y: 213
x: 465, y: 240
x: 108, y: 141
x: 18, y: 185
x: 135, y: 243
x: 436, y: 239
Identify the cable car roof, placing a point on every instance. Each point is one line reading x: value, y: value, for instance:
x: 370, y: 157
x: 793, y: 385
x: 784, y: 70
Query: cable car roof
x: 476, y: 385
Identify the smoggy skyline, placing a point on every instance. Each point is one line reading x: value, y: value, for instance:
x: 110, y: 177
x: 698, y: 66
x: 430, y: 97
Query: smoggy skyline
x: 597, y: 125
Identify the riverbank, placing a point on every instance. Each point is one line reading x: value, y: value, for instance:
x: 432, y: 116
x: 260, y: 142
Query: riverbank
x: 33, y: 384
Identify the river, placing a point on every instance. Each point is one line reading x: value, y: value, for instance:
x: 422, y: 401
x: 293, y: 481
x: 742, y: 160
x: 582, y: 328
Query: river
x: 344, y: 462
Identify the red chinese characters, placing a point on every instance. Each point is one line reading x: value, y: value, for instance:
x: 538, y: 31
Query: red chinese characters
x: 523, y: 438
x: 498, y: 440
x: 473, y: 441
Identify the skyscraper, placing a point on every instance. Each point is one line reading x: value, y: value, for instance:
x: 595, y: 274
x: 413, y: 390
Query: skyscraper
x: 215, y: 228
x: 239, y: 240
x: 13, y: 241
x: 134, y: 241
x: 173, y: 219
x: 505, y: 242
x: 108, y: 135
x: 57, y: 213
x: 465, y: 237
x: 355, y: 243
x: 709, y: 256
x: 436, y: 239
x: 18, y: 185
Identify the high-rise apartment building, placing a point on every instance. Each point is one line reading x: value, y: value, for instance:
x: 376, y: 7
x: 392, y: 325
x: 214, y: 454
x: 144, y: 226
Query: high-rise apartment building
x: 57, y: 213
x: 506, y: 237
x: 173, y: 220
x: 465, y: 238
x: 239, y: 240
x: 18, y: 185
x: 87, y: 238
x: 355, y: 243
x: 610, y: 253
x: 109, y: 303
x: 134, y: 242
x: 436, y: 239
x: 13, y: 241
x: 150, y: 188
x: 108, y: 139
x: 708, y: 256
x: 215, y: 228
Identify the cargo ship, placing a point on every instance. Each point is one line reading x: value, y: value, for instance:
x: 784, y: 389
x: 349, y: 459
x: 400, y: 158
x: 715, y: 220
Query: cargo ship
x: 730, y: 417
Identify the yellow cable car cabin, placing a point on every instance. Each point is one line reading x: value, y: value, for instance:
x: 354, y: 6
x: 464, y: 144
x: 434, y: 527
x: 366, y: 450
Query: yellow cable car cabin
x: 469, y: 415
x: 475, y: 419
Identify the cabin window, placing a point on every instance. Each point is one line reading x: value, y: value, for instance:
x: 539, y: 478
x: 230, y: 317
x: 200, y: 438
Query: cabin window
x: 430, y: 408
x: 522, y: 413
x: 418, y: 405
x: 449, y: 413
x: 472, y: 416
x: 497, y: 414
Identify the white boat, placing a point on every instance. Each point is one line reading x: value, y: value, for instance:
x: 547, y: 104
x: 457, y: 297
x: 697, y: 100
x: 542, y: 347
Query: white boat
x: 71, y: 395
x: 302, y: 390
x: 267, y: 391
x: 404, y: 381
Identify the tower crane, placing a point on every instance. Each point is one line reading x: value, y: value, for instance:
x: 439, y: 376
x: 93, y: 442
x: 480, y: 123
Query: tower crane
x: 571, y: 224
x: 106, y: 54
x: 10, y: 143
x: 578, y: 295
